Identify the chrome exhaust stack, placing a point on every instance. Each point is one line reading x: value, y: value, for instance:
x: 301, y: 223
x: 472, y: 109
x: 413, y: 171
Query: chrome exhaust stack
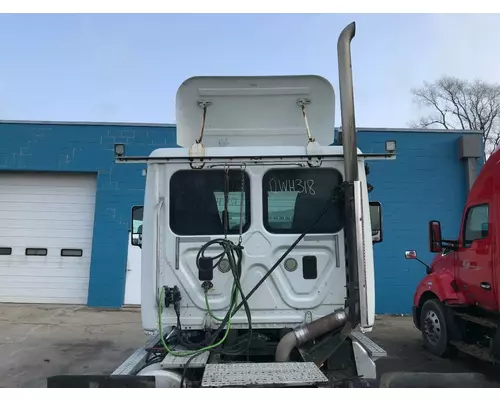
x: 351, y: 170
x: 347, y: 103
x: 347, y: 318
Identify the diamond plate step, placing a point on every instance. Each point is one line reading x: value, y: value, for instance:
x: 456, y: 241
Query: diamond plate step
x: 170, y: 361
x: 262, y: 374
x: 373, y: 349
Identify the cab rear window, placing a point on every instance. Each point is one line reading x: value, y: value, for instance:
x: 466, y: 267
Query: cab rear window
x: 293, y: 198
x: 197, y: 202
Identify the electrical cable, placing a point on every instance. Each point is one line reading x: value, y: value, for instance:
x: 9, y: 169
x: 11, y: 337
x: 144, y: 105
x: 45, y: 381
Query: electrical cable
x: 234, y: 254
x: 208, y: 306
x: 240, y: 289
x: 184, y: 353
x: 184, y: 371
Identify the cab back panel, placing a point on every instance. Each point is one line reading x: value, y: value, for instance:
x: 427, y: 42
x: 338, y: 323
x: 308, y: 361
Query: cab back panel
x: 282, y: 204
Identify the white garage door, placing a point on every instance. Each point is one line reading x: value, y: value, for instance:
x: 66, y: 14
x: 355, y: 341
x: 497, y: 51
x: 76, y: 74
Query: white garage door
x: 46, y: 225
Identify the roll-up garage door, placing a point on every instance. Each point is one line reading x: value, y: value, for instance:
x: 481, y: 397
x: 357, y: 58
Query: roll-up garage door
x: 46, y: 226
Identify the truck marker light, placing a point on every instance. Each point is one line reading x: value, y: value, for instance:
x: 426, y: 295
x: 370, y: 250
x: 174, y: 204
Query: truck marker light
x: 224, y: 266
x: 291, y: 264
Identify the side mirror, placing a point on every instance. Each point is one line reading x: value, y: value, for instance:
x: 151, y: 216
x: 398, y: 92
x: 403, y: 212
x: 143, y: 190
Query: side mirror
x: 435, y: 239
x: 376, y: 221
x: 411, y: 255
x: 137, y: 237
x: 136, y: 228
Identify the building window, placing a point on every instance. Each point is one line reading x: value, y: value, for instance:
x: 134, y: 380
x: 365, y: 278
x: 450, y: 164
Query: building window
x: 294, y: 198
x: 476, y: 224
x: 71, y: 252
x: 197, y: 202
x: 36, y: 252
x: 5, y: 251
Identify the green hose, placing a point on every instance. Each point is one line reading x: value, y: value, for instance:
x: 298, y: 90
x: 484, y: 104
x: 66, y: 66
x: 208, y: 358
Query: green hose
x: 233, y: 290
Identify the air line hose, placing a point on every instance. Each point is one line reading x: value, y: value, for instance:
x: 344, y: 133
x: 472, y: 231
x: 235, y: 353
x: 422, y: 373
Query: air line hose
x: 185, y: 353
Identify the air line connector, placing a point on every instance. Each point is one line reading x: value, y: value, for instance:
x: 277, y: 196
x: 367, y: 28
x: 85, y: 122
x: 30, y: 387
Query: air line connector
x: 206, y: 286
x: 172, y: 296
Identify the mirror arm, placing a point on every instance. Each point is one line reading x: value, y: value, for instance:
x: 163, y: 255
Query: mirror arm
x: 450, y: 244
x: 424, y: 264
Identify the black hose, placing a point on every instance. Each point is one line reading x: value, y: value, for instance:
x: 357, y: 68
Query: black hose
x: 237, y: 275
x: 234, y: 254
x: 184, y: 371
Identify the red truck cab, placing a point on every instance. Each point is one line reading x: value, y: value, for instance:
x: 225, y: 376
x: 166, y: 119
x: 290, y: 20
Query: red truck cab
x: 462, y: 283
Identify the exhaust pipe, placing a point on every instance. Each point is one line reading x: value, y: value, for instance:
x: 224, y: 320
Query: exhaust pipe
x: 347, y: 103
x: 351, y: 169
x: 339, y: 318
x: 308, y: 332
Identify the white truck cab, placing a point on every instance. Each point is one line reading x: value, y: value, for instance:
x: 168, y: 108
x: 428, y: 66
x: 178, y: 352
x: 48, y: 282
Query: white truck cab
x: 256, y: 150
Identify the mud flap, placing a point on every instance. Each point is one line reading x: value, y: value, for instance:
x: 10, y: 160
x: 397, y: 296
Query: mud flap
x: 433, y: 380
x: 101, y: 381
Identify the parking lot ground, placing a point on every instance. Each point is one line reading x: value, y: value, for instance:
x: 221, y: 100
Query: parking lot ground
x: 39, y: 341
x: 406, y: 352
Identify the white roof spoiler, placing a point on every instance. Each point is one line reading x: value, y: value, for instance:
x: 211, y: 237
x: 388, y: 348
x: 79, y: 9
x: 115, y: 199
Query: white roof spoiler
x: 255, y: 111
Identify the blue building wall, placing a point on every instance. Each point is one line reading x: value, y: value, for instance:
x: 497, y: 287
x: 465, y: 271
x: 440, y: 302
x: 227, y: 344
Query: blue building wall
x: 427, y: 181
x: 89, y: 148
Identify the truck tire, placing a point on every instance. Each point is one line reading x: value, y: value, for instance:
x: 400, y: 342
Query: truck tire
x: 434, y: 327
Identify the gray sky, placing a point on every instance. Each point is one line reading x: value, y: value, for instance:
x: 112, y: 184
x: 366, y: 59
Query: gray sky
x: 128, y: 67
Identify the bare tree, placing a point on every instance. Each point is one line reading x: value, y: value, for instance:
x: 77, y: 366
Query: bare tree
x: 460, y: 104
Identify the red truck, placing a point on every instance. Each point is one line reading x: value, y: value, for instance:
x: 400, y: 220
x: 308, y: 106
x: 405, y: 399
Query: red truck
x: 456, y: 305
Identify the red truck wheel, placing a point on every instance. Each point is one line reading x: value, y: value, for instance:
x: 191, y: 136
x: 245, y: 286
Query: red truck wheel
x: 434, y: 328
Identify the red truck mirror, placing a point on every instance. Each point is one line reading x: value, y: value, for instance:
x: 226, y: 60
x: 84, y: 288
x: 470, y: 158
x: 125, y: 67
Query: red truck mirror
x: 435, y: 240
